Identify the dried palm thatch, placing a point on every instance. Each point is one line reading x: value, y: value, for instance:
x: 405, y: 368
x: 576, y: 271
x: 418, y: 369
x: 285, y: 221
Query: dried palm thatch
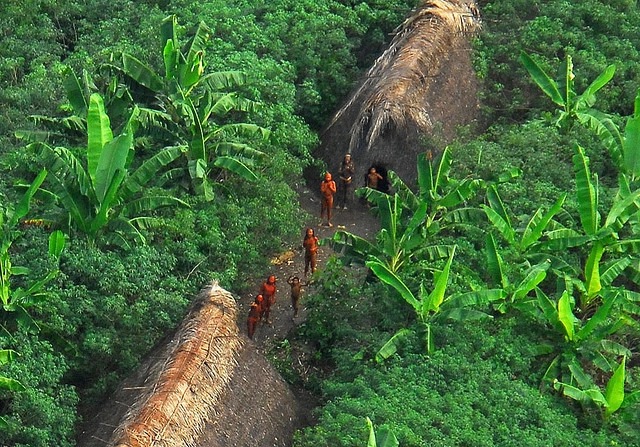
x: 395, y: 87
x: 183, y: 387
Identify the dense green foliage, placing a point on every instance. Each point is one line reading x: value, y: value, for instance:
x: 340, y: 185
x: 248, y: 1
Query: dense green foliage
x: 292, y: 63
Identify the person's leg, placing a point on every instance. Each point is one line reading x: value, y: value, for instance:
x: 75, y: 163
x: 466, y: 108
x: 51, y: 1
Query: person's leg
x: 329, y: 210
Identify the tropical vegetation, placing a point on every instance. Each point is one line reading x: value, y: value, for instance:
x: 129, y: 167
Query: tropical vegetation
x: 148, y: 148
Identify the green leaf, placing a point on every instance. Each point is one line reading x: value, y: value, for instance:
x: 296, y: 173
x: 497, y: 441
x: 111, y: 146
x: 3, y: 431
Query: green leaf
x: 56, y: 243
x: 503, y: 226
x: 141, y: 73
x: 548, y: 85
x: 592, y: 271
x: 232, y: 164
x: 586, y: 193
x: 614, y: 393
x: 98, y: 134
x: 388, y: 277
x: 23, y: 206
x: 539, y: 223
x: 391, y: 346
x: 587, y: 98
x: 534, y: 276
x: 75, y: 93
x: 631, y: 146
x: 10, y: 384
x: 436, y: 297
x: 599, y: 317
x: 7, y: 355
x: 372, y: 436
x: 566, y: 317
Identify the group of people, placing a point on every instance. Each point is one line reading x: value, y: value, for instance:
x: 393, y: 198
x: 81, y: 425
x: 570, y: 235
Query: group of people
x: 372, y: 179
x: 260, y: 309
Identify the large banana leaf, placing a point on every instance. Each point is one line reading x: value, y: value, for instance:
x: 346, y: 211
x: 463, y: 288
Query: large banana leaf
x: 148, y: 170
x: 548, y: 85
x: 113, y: 159
x: 221, y: 80
x: 538, y: 224
x: 613, y: 270
x: 586, y: 193
x: 592, y: 272
x: 391, y: 346
x: 107, y: 204
x: 23, y: 206
x: 75, y: 93
x: 141, y: 73
x: 534, y: 276
x: 631, y: 146
x: 494, y: 262
x: 588, y: 97
x: 550, y: 311
x: 614, y: 392
x: 388, y: 277
x: 566, y: 317
x: 496, y: 204
x: 623, y: 209
x: 607, y: 131
x: 71, y: 184
x: 599, y: 317
x: 236, y: 166
x: 503, y: 226
x: 98, y: 134
x: 436, y: 297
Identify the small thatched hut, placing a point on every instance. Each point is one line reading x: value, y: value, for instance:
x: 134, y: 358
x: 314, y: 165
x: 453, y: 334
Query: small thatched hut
x: 206, y: 386
x: 414, y: 97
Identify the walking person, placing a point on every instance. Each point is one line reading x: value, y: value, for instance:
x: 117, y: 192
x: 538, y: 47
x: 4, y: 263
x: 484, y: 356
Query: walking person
x: 327, y: 189
x: 255, y: 314
x: 310, y: 244
x: 347, y: 171
x: 268, y: 291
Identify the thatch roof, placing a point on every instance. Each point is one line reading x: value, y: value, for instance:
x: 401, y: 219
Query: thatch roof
x: 423, y: 84
x: 185, y: 394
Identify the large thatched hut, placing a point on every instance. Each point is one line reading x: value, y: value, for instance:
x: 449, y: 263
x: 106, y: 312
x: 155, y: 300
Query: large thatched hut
x: 414, y: 97
x: 204, y: 386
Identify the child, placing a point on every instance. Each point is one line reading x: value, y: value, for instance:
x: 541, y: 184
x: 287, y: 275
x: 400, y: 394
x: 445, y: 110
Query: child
x: 296, y: 293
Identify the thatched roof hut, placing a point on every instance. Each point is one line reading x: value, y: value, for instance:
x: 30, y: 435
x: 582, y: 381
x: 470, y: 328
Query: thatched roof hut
x: 415, y: 95
x: 206, y: 386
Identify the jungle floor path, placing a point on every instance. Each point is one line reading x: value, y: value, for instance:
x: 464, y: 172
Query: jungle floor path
x: 268, y: 339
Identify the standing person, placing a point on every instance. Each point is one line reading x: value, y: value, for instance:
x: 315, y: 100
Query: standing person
x: 255, y: 315
x: 373, y: 178
x: 347, y: 170
x: 296, y: 293
x: 268, y: 291
x: 328, y: 189
x: 310, y: 244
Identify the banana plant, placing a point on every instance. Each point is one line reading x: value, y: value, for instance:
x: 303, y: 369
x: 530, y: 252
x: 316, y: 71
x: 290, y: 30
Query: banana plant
x: 99, y: 192
x: 624, y: 148
x: 573, y: 107
x: 576, y: 341
x: 410, y: 220
x: 433, y: 306
x: 614, y: 397
x: 6, y: 383
x: 385, y: 437
x: 442, y: 197
x: 194, y: 108
x: 16, y: 301
x: 612, y: 234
